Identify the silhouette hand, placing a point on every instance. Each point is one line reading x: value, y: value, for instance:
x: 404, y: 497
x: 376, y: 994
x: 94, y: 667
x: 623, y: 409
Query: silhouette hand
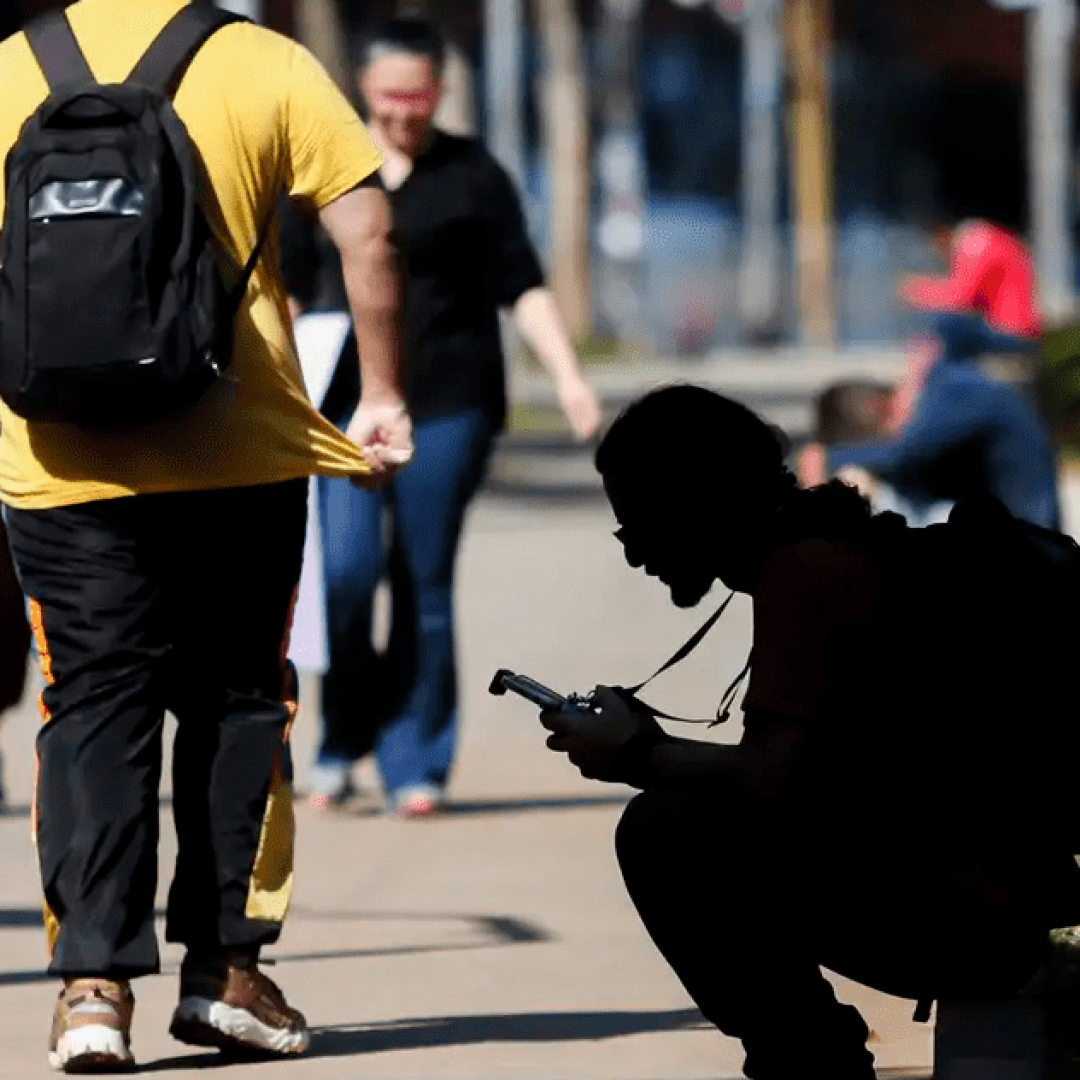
x: 592, y: 739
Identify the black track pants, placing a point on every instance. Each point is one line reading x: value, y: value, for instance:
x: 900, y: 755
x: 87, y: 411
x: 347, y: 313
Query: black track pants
x: 180, y: 602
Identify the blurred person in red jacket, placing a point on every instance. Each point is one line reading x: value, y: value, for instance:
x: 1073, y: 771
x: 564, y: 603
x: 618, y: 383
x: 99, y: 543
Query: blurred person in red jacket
x: 986, y: 305
x: 991, y: 282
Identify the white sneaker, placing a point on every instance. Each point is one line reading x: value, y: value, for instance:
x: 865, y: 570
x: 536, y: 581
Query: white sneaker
x: 236, y: 1008
x: 91, y: 1029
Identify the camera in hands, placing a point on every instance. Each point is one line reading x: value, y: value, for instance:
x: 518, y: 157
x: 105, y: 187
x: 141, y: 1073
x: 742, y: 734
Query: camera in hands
x: 537, y: 692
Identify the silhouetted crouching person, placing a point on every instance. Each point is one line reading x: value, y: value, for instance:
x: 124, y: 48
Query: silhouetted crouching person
x: 862, y: 821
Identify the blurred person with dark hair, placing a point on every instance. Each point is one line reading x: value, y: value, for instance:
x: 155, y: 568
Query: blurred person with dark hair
x: 853, y: 412
x: 466, y: 254
x: 833, y: 833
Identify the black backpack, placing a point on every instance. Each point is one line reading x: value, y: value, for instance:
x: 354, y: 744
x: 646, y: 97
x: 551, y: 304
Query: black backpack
x: 999, y: 639
x: 113, y: 309
x: 979, y: 649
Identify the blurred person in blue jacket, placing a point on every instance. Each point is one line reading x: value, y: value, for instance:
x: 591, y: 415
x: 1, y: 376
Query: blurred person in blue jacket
x: 967, y: 433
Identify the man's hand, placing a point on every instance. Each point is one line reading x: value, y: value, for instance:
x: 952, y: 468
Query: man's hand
x: 537, y: 318
x: 859, y: 478
x: 579, y: 404
x: 383, y: 431
x: 594, y: 739
x: 811, y: 465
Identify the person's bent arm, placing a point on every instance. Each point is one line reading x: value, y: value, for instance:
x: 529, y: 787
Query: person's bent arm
x: 967, y: 272
x: 762, y: 762
x: 520, y: 288
x: 359, y: 224
x: 620, y: 744
x: 537, y: 319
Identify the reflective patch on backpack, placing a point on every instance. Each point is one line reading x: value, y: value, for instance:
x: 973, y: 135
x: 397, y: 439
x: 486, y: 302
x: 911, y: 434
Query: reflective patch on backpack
x: 107, y: 197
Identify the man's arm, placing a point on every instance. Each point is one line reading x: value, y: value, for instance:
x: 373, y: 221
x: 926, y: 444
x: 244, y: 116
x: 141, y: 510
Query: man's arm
x: 521, y: 288
x: 538, y: 320
x: 960, y: 290
x: 359, y: 224
x: 616, y: 743
x: 762, y: 762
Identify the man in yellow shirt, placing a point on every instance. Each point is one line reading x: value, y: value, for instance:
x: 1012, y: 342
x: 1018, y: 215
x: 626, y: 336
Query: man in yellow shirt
x: 160, y: 562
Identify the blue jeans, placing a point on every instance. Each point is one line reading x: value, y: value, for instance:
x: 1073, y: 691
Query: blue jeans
x: 401, y: 702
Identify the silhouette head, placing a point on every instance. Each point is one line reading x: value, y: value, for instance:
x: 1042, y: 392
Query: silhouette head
x: 695, y: 481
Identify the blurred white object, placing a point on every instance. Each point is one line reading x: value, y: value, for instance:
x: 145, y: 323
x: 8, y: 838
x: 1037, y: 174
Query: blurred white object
x: 319, y: 340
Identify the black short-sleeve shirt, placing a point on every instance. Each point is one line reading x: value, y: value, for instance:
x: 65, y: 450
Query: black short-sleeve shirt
x: 466, y: 252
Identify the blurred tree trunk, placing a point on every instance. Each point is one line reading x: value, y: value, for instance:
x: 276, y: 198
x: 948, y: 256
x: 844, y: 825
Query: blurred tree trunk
x: 808, y: 27
x: 564, y: 103
x: 319, y: 27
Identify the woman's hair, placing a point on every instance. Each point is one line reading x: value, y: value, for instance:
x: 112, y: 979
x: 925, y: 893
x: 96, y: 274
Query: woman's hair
x: 407, y: 34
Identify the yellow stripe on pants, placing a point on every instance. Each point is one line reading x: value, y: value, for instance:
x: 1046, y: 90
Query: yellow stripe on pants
x: 270, y: 889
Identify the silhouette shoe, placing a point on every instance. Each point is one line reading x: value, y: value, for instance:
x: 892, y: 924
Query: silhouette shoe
x: 91, y: 1029
x: 227, y: 1002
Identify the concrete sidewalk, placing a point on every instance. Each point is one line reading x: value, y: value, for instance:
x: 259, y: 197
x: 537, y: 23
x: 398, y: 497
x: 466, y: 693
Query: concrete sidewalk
x: 494, y: 943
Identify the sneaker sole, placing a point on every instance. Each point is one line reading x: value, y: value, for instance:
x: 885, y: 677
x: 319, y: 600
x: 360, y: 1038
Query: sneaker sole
x: 91, y: 1049
x: 202, y: 1022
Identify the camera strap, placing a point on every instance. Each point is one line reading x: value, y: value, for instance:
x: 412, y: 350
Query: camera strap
x: 723, y: 711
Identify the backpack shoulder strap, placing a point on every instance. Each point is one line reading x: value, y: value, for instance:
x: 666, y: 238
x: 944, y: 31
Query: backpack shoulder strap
x: 165, y: 63
x: 57, y: 50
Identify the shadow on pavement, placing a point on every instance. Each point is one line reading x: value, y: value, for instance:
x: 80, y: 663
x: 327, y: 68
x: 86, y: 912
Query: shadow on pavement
x: 21, y: 918
x: 347, y: 1040
x: 491, y: 931
x: 534, y: 804
x: 543, y: 493
x: 503, y: 928
x: 364, y: 807
x: 344, y: 1039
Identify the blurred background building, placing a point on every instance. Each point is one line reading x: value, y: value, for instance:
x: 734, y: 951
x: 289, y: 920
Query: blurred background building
x: 705, y: 174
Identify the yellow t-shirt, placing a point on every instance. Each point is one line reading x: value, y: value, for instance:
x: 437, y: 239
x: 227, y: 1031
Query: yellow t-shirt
x: 267, y: 120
